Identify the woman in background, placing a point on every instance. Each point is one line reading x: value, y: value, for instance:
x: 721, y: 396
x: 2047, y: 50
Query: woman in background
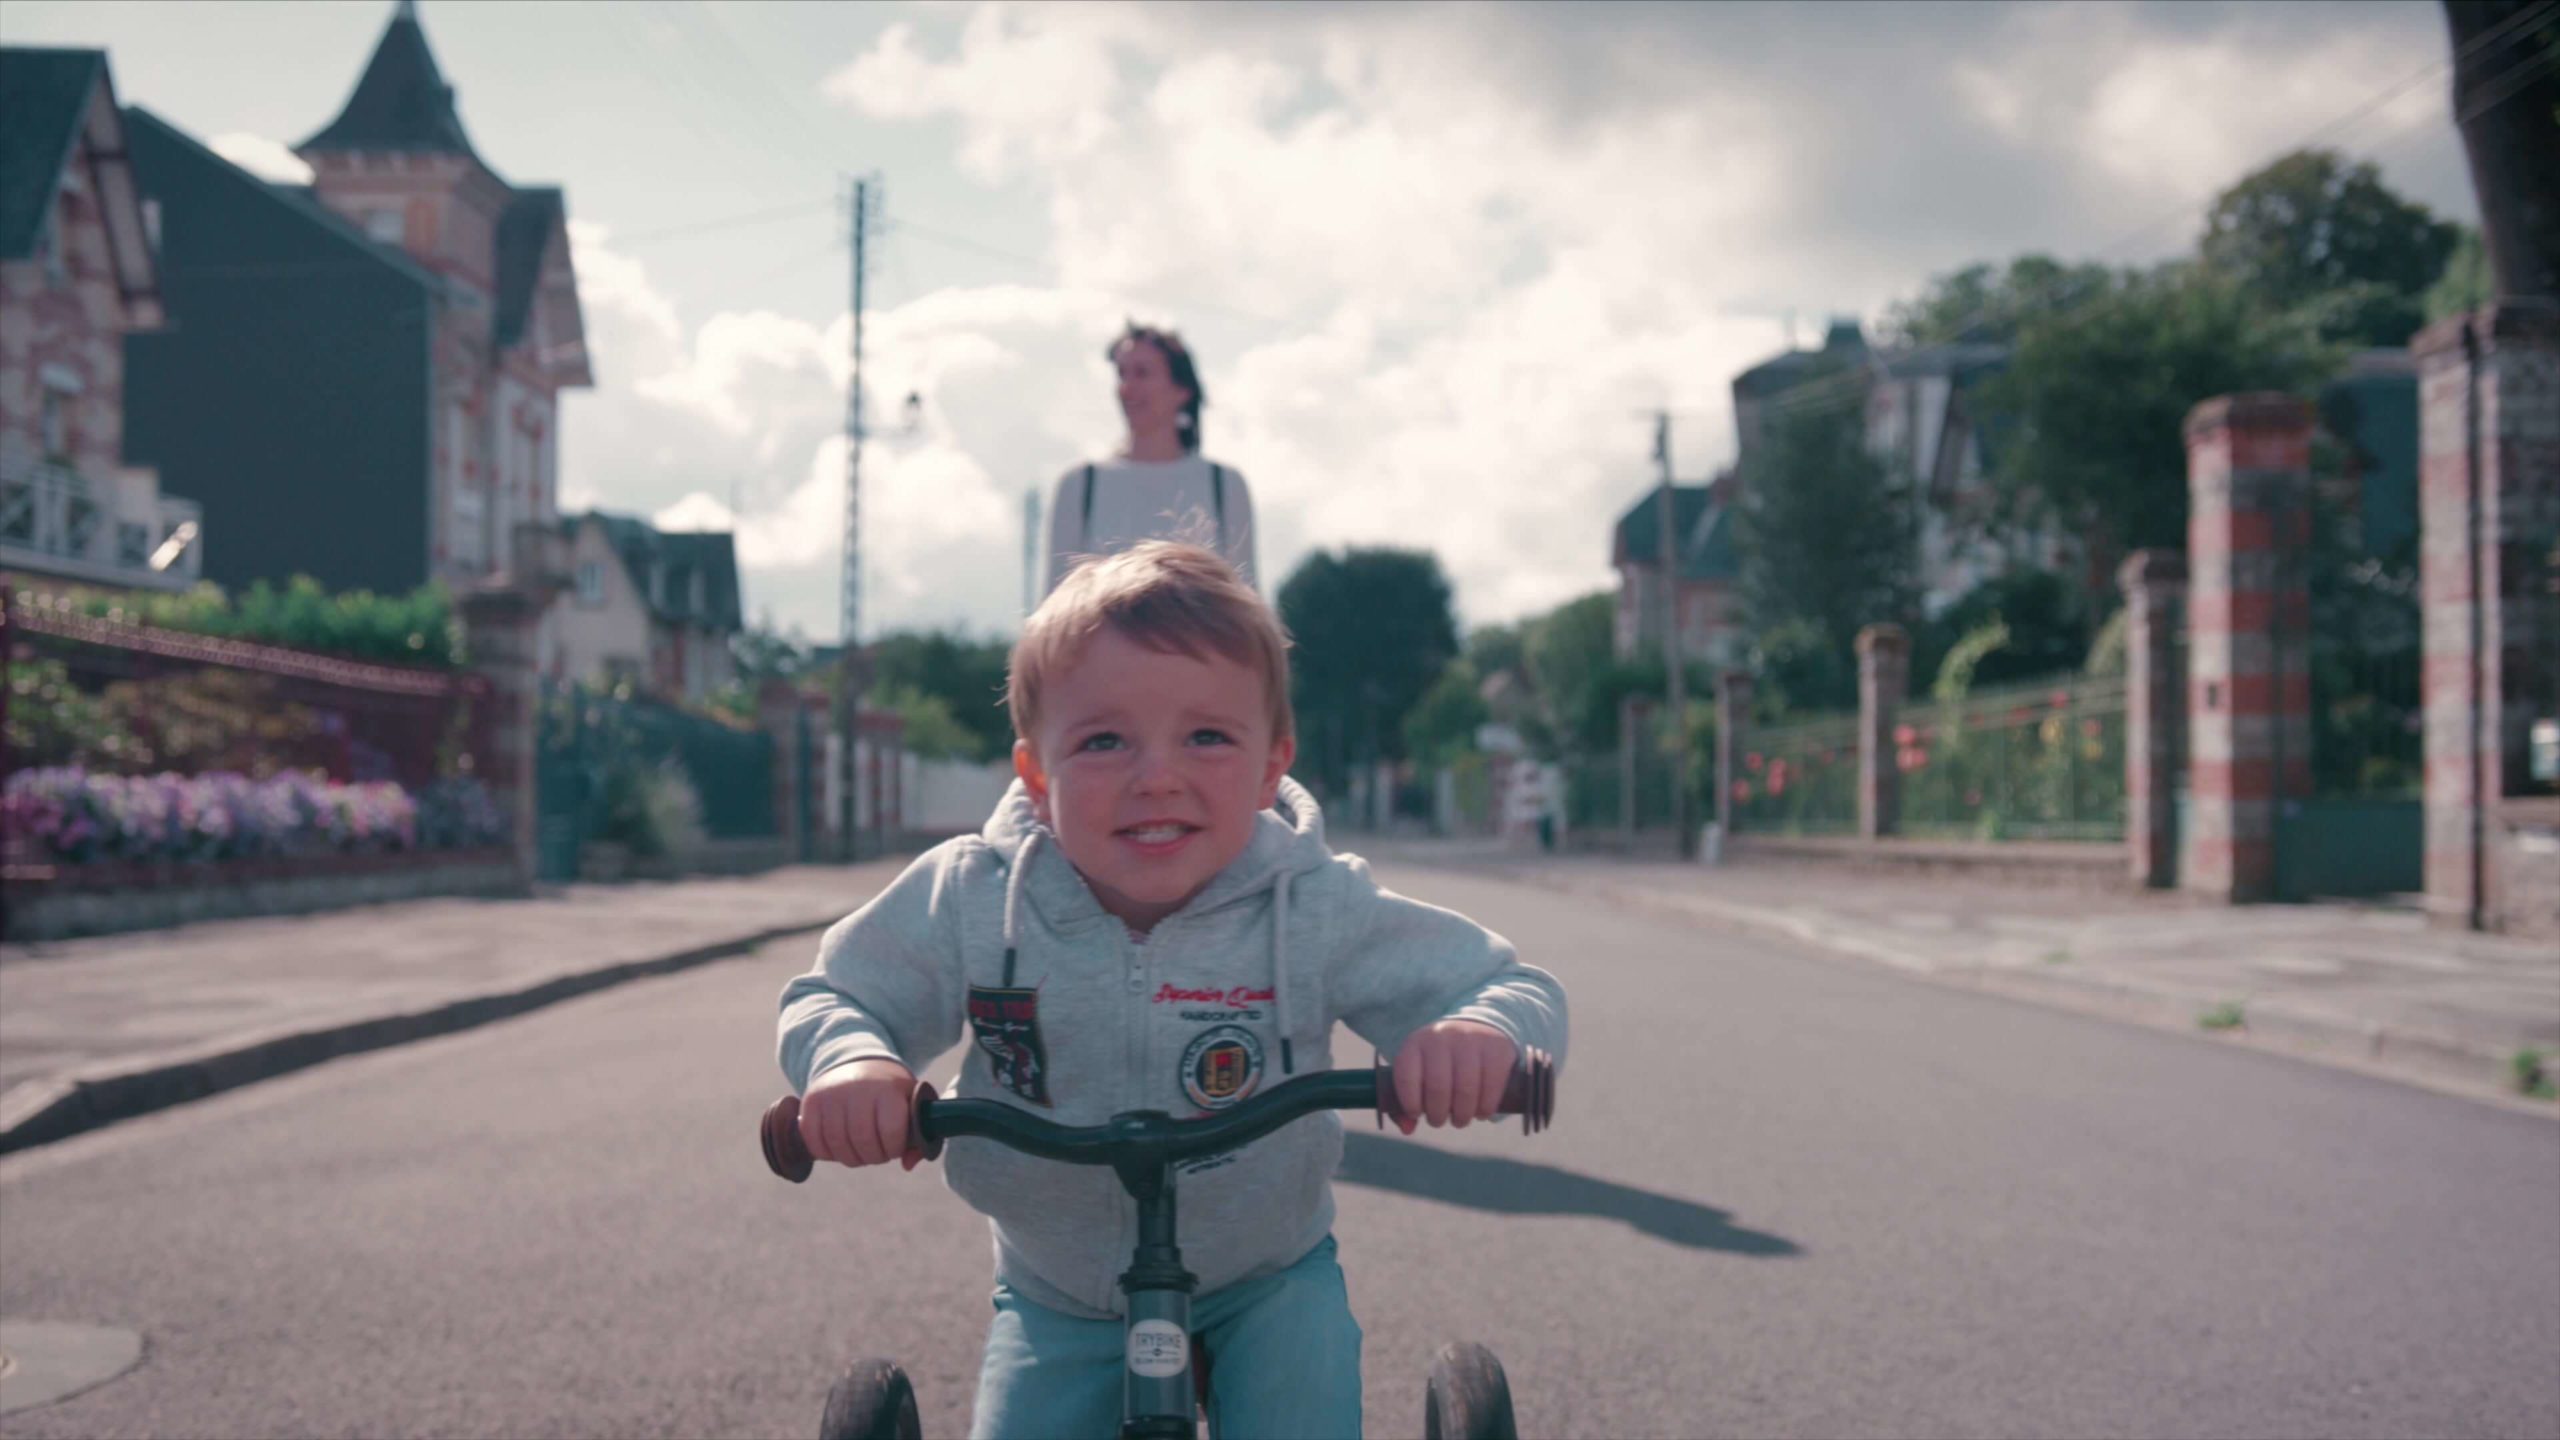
x: 1159, y: 487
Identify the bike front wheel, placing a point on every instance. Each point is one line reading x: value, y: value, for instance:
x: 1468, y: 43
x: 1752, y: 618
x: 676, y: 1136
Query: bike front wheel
x: 1469, y: 1398
x: 874, y: 1401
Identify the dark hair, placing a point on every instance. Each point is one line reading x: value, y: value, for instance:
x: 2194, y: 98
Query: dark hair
x: 1177, y: 367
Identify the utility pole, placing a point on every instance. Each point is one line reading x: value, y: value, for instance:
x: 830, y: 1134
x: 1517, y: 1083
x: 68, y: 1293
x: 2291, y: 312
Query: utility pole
x: 1030, y: 548
x: 1675, y: 683
x: 850, y: 665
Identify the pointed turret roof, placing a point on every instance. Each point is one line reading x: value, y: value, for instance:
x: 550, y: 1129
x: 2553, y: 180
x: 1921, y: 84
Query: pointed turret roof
x: 402, y: 102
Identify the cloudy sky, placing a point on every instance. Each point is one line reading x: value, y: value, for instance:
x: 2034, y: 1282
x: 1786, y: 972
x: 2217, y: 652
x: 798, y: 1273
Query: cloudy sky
x: 1435, y: 260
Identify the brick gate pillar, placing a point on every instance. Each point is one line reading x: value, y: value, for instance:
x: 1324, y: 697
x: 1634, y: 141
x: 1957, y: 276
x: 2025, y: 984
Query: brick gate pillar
x: 1884, y: 672
x: 1733, y: 716
x: 778, y: 716
x: 2489, y: 527
x: 501, y: 631
x: 2155, y: 700
x: 2248, y: 650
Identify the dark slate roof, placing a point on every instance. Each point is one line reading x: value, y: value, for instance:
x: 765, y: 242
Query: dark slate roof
x: 1786, y: 371
x: 295, y: 198
x: 43, y: 95
x: 647, y: 553
x: 401, y: 103
x: 1705, y: 530
x: 522, y: 233
x: 1967, y: 361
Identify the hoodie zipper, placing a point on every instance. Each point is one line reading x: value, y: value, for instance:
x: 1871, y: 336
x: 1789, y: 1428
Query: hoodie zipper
x: 1134, y: 1019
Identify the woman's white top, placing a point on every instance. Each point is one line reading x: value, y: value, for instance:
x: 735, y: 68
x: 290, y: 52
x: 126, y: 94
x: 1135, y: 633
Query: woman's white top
x: 1113, y: 504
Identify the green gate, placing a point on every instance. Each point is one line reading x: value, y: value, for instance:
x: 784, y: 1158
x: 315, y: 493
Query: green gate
x: 2362, y: 831
x: 591, y: 745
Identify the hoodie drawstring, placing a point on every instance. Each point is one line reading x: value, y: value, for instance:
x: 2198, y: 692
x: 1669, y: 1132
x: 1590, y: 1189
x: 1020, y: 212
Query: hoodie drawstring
x: 1279, y: 955
x: 1013, y: 902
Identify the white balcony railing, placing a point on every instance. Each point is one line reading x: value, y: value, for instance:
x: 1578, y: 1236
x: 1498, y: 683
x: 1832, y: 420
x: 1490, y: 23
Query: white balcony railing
x: 53, y: 519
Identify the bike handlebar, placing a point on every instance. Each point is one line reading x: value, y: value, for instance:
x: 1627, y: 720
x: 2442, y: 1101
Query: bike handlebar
x: 1144, y: 1137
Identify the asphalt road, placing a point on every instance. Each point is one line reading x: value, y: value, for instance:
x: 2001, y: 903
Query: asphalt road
x: 1785, y: 1196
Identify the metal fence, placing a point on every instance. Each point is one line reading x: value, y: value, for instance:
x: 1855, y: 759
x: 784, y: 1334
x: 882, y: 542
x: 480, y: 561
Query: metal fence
x: 1595, y: 787
x: 1798, y: 779
x: 602, y: 758
x: 2034, y: 761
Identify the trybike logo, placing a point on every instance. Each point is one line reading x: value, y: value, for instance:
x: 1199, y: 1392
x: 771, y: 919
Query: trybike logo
x: 1239, y: 995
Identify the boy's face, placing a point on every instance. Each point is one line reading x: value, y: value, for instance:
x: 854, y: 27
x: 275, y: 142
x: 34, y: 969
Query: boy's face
x: 1150, y: 768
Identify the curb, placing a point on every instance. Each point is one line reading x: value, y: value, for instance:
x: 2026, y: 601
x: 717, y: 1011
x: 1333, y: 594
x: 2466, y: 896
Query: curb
x: 2434, y: 1060
x: 39, y: 1112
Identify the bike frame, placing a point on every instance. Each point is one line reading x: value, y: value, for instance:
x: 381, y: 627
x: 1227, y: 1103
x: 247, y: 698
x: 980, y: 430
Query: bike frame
x: 1143, y: 1147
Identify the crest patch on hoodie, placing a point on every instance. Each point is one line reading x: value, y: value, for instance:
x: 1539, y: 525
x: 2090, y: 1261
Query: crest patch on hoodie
x: 1007, y: 1025
x: 1221, y: 1066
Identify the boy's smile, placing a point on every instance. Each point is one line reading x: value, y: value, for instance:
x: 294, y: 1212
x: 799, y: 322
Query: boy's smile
x: 1150, y: 766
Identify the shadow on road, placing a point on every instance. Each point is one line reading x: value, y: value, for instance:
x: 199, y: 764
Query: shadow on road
x: 1484, y: 1182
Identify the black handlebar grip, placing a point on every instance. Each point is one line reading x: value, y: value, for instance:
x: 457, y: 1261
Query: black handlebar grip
x: 788, y: 1155
x: 1531, y: 1093
x: 784, y: 1151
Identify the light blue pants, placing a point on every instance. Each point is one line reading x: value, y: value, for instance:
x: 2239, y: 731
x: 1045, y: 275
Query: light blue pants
x: 1284, y: 1362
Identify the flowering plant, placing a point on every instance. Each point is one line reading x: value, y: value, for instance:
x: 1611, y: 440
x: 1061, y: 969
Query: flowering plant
x: 76, y: 816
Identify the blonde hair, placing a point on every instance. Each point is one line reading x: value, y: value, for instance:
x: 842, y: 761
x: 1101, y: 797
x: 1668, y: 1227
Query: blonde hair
x: 1167, y: 596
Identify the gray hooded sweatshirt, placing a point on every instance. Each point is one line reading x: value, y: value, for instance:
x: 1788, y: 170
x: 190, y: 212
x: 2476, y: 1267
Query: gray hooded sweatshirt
x: 1075, y: 1021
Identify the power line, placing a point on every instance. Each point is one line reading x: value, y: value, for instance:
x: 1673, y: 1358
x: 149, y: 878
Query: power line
x: 1839, y: 387
x: 1844, y: 385
x: 726, y: 222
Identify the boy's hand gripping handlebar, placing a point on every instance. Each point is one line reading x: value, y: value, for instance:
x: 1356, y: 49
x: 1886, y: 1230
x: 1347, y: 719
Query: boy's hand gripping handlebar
x: 931, y: 1120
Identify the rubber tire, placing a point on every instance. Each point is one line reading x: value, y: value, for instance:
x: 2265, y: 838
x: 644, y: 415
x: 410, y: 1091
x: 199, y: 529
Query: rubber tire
x: 1468, y: 1398
x: 874, y: 1401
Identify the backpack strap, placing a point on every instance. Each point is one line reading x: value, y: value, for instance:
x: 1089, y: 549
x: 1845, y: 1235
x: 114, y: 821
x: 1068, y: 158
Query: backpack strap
x: 1218, y: 501
x: 1084, y: 535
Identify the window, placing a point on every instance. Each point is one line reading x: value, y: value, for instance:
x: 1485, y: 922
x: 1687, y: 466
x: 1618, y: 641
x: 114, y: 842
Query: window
x: 57, y: 269
x: 591, y: 584
x: 57, y: 424
x: 388, y: 226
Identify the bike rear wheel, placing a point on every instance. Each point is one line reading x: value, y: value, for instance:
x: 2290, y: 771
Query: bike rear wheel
x: 873, y: 1401
x: 1468, y: 1398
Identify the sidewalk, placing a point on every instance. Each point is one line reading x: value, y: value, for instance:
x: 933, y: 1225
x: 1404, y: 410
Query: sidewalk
x: 95, y: 1030
x: 2368, y: 987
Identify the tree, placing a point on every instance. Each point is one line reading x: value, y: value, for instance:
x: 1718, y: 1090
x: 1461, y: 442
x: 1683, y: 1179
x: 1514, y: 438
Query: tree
x: 1372, y: 631
x: 931, y: 731
x: 2046, y: 622
x: 967, y: 676
x: 1979, y: 303
x: 2094, y: 401
x: 2313, y: 233
x: 1442, y: 725
x: 1571, y: 656
x: 1826, y: 532
x: 1492, y: 649
x: 2464, y: 285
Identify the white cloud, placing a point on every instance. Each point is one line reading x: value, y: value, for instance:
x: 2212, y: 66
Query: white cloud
x: 617, y: 283
x: 267, y: 159
x: 1436, y: 261
x: 739, y: 360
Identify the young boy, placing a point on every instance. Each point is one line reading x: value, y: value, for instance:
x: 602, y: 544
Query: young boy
x: 1153, y: 921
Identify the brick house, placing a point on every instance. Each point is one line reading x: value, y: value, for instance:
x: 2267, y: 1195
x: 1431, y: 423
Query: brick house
x: 1710, y: 574
x: 370, y: 365
x: 654, y: 608
x: 78, y: 273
